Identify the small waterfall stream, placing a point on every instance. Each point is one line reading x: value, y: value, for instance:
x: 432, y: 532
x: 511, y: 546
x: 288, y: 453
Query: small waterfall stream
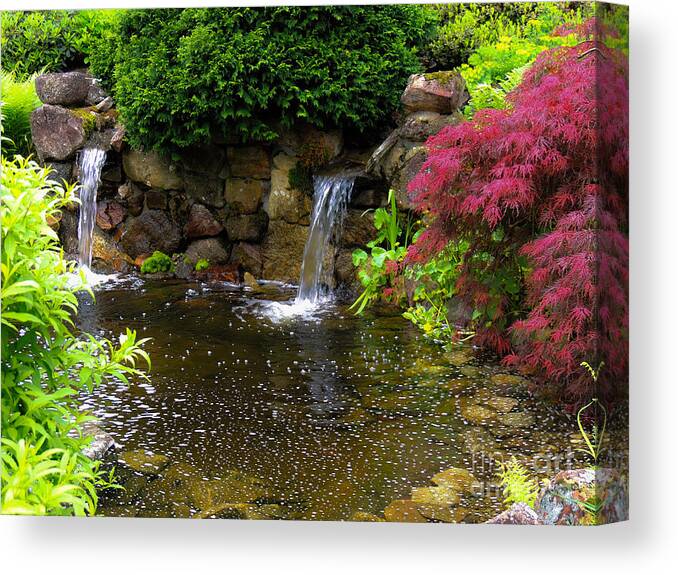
x: 330, y: 201
x: 90, y: 162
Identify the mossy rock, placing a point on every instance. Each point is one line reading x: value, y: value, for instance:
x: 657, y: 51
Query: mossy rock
x: 403, y: 511
x: 477, y: 414
x: 455, y: 478
x: 144, y: 461
x: 442, y: 513
x: 502, y: 404
x: 364, y: 516
x: 438, y: 495
x: 517, y: 419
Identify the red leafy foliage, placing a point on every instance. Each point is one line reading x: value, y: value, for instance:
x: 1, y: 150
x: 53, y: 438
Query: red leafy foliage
x: 551, y: 173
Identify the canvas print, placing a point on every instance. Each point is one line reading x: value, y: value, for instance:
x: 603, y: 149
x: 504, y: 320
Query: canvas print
x: 338, y: 263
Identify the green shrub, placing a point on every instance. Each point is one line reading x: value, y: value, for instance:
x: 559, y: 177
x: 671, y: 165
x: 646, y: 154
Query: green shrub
x: 158, y: 262
x: 51, y: 40
x: 202, y: 264
x: 18, y: 100
x: 44, y: 365
x: 184, y: 76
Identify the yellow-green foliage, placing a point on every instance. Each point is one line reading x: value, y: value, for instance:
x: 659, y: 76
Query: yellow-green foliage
x: 202, y: 264
x: 44, y: 365
x: 18, y: 100
x: 518, y: 486
x: 158, y: 262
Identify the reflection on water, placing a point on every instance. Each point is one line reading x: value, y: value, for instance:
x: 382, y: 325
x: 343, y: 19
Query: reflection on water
x: 250, y: 413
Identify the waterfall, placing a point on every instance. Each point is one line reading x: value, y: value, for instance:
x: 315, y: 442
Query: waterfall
x: 330, y: 201
x: 90, y: 162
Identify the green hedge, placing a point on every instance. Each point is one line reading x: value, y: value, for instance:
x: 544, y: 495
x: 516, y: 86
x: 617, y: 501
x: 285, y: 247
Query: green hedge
x: 181, y: 77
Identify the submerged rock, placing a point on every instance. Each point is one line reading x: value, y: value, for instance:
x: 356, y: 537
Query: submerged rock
x: 144, y: 461
x: 502, y: 404
x: 477, y: 413
x: 403, y: 511
x: 517, y: 419
x: 439, y: 495
x: 442, y: 513
x: 364, y: 516
x: 456, y: 478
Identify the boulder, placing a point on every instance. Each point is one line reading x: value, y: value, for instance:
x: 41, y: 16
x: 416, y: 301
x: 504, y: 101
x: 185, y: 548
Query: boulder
x: 96, y: 95
x: 304, y: 137
x: 133, y: 196
x: 201, y: 223
x: 156, y: 199
x: 517, y: 514
x: 517, y: 419
x: 371, y: 198
x: 244, y: 196
x: 344, y: 270
x: 68, y: 232
x: 572, y: 496
x: 248, y: 257
x: 249, y: 162
x: 207, y: 190
x: 456, y: 478
x: 403, y: 511
x: 211, y: 249
x: 104, y: 105
x: 420, y: 126
x: 118, y: 137
x: 57, y: 132
x: 441, y: 92
x: 109, y: 214
x: 102, y: 442
x: 207, y: 160
x: 60, y: 171
x: 358, y: 228
x: 151, y: 169
x: 283, y: 251
x: 143, y: 461
x: 477, y: 414
x: 247, y: 228
x: 290, y: 205
x: 107, y: 255
x: 63, y: 88
x: 150, y: 231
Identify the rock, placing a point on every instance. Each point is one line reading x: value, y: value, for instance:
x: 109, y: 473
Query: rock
x: 201, y: 223
x: 479, y: 441
x: 456, y: 478
x: 233, y: 487
x: 290, y: 205
x: 371, y: 198
x: 366, y: 517
x: 96, y: 95
x: 502, y: 404
x: 248, y: 257
x: 283, y: 251
x: 151, y: 169
x: 439, y: 495
x: 441, y: 92
x: 63, y: 88
x: 118, y: 138
x: 403, y: 511
x: 477, y: 414
x: 508, y: 380
x: 455, y: 385
x: 344, y: 270
x: 211, y: 249
x: 110, y: 214
x: 420, y: 126
x: 204, y: 189
x: 156, y: 199
x: 564, y: 500
x: 248, y: 227
x: 245, y: 195
x: 112, y: 173
x: 102, y: 442
x: 517, y: 514
x: 250, y: 281
x: 104, y: 105
x: 68, y: 232
x: 249, y: 162
x: 207, y: 160
x: 133, y: 196
x: 144, y: 461
x: 57, y: 132
x: 517, y: 419
x: 150, y: 231
x: 459, y: 357
x: 442, y: 513
x: 220, y: 273
x: 358, y: 228
x: 105, y: 250
x: 60, y: 171
x: 304, y: 137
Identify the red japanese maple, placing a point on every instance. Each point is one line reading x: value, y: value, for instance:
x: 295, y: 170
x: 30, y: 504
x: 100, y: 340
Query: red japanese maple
x: 551, y: 173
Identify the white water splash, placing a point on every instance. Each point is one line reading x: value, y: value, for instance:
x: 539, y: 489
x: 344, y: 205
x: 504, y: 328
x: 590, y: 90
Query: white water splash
x: 90, y: 162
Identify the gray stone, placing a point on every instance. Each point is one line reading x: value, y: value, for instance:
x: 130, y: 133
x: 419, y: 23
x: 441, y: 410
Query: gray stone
x: 118, y: 137
x: 207, y: 160
x: 245, y: 195
x: 57, y: 132
x: 104, y: 105
x: 133, y: 196
x: 96, y: 94
x: 102, y: 442
x: 207, y: 190
x: 419, y: 126
x: 150, y: 231
x: 60, y: 171
x: 249, y: 162
x: 63, y: 88
x: 247, y: 228
x: 211, y: 249
x: 283, y: 251
x: 517, y: 514
x: 290, y: 205
x: 248, y: 256
x: 441, y: 92
x: 151, y: 169
x: 358, y: 228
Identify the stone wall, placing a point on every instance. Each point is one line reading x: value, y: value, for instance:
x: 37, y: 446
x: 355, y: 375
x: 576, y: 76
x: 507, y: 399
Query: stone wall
x: 232, y: 204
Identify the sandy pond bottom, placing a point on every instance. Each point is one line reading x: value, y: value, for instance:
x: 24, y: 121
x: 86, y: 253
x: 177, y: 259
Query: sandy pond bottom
x: 253, y: 411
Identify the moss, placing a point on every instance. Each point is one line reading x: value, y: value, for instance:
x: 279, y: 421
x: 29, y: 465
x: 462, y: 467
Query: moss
x: 88, y: 117
x: 202, y: 264
x: 158, y: 262
x: 300, y: 178
x: 443, y: 77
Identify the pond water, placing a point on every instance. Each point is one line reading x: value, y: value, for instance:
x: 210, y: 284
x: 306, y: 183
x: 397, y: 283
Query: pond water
x: 255, y: 411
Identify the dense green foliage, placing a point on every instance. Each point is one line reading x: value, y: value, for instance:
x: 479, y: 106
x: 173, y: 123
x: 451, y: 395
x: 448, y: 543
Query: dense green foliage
x: 44, y: 364
x: 51, y: 40
x: 158, y: 262
x: 17, y: 100
x: 183, y: 76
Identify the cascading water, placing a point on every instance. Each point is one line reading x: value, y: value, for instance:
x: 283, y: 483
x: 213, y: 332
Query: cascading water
x: 331, y: 196
x: 90, y: 163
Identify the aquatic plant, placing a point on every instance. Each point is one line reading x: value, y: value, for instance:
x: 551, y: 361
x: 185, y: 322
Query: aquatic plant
x: 18, y: 100
x: 44, y: 365
x: 540, y: 192
x: 594, y: 441
x: 202, y: 264
x: 157, y: 262
x: 516, y: 483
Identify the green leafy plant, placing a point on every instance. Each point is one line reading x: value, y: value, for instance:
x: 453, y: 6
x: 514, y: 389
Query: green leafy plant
x: 18, y: 99
x: 378, y: 270
x: 594, y: 441
x: 202, y: 264
x: 271, y: 67
x: 45, y: 366
x: 157, y: 262
x: 516, y: 483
